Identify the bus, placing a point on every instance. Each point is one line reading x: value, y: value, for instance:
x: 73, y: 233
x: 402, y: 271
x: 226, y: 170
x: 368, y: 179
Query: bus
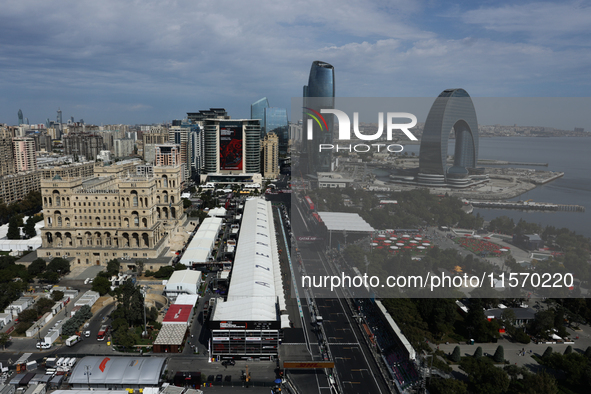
x: 102, y: 333
x: 309, y: 203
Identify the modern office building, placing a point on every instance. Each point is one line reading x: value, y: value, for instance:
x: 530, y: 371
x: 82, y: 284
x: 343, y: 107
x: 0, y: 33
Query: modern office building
x: 83, y: 144
x: 212, y: 113
x: 196, y: 150
x: 295, y: 133
x: 25, y: 157
x: 181, y: 135
x: 20, y: 117
x: 452, y: 110
x: 276, y: 122
x: 318, y: 94
x: 257, y: 111
x: 231, y: 147
x: 270, y: 156
x: 59, y: 123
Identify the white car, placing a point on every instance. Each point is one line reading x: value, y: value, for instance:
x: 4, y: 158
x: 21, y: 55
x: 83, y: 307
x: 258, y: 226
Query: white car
x: 43, y: 345
x: 87, y: 334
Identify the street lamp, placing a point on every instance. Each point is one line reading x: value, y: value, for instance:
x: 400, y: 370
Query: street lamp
x: 88, y: 375
x: 145, y: 293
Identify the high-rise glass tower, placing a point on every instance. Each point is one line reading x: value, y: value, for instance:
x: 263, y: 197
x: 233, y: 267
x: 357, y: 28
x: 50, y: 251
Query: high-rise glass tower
x: 257, y: 111
x: 59, y: 124
x: 318, y: 94
x: 276, y: 122
x: 20, y: 117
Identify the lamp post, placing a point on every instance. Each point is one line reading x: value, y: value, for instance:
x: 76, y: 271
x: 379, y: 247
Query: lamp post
x: 145, y: 293
x: 88, y: 375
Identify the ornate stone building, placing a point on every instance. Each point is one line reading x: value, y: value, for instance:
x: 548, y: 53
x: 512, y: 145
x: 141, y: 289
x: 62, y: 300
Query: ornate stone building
x: 119, y: 215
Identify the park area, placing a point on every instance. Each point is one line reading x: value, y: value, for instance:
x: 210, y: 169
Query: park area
x: 480, y: 246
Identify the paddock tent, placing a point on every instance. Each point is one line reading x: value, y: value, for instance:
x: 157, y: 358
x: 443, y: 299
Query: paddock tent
x: 117, y: 372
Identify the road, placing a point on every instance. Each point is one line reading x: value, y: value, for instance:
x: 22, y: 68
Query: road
x: 355, y: 368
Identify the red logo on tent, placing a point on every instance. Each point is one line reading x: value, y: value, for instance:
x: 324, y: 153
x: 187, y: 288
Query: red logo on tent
x: 104, y: 364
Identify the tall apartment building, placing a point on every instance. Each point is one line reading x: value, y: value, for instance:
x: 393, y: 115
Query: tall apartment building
x: 6, y: 152
x: 25, y: 156
x: 155, y: 135
x: 83, y: 144
x: 122, y: 215
x: 42, y: 142
x: 73, y: 170
x: 123, y: 147
x: 167, y: 155
x: 270, y: 156
x: 15, y: 187
x: 189, y: 137
x: 150, y: 137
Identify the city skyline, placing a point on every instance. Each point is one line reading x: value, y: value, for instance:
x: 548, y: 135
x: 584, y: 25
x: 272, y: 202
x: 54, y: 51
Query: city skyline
x: 133, y: 65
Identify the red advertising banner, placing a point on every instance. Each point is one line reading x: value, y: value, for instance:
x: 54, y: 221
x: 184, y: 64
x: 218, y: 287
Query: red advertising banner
x: 231, y: 157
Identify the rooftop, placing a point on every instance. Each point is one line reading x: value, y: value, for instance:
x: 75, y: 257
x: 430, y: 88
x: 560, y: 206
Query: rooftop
x: 178, y: 313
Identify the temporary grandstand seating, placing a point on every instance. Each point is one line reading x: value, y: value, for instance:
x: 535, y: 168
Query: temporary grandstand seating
x: 395, y: 356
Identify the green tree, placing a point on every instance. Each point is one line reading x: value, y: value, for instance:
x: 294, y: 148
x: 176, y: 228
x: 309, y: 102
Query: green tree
x: 101, y: 285
x: 447, y: 386
x: 568, y: 350
x: 539, y: 383
x: 484, y: 376
x: 140, y: 267
x: 588, y: 352
x: 520, y: 336
x: 4, y: 339
x: 51, y: 276
x: 547, y: 353
x: 478, y: 352
x: 29, y: 228
x: 113, y: 267
x: 499, y: 356
x: 123, y: 337
x: 44, y: 305
x: 37, y: 267
x: 57, y: 295
x: 130, y: 303
x: 543, y: 322
x: 455, y: 356
x: 13, y: 228
x: 28, y: 316
x: 59, y: 265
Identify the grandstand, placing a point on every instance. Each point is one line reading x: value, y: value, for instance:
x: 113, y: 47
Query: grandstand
x: 396, y: 351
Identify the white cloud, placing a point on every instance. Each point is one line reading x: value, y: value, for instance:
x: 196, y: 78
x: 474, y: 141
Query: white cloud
x: 176, y: 56
x: 538, y: 18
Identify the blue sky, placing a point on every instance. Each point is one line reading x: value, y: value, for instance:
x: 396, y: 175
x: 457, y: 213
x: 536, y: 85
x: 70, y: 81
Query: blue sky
x: 119, y: 61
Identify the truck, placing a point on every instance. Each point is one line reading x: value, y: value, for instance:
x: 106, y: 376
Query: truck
x: 74, y: 339
x: 51, y: 362
x: 51, y: 336
x: 102, y: 333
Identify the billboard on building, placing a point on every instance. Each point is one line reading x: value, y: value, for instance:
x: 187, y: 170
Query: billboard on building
x: 231, y: 153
